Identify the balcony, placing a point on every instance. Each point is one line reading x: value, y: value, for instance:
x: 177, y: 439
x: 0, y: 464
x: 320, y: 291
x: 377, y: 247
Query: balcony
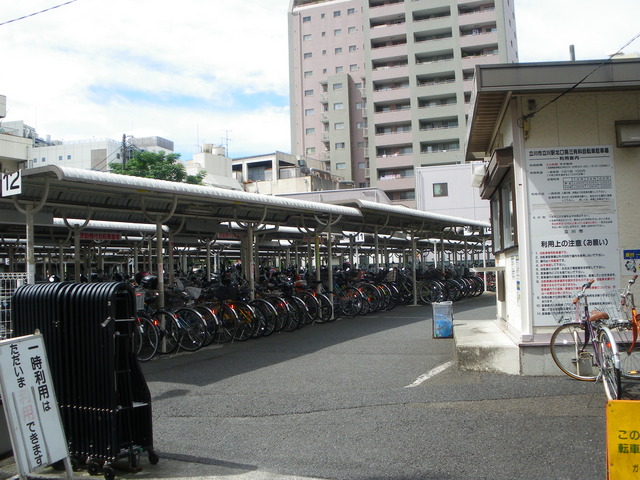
x: 395, y: 161
x: 390, y: 94
x: 388, y: 30
x: 398, y: 50
x: 439, y: 134
x: 396, y: 182
x: 440, y: 86
x: 469, y: 62
x: 393, y: 116
x: 479, y: 40
x: 476, y: 17
x: 386, y: 9
x: 396, y: 138
x: 390, y: 72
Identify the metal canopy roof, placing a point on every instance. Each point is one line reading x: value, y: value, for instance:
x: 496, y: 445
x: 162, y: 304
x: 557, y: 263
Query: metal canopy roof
x: 82, y: 194
x: 199, y: 210
x: 391, y: 218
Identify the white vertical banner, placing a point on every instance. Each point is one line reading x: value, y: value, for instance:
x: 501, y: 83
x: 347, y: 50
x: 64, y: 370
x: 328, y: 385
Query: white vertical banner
x: 573, y: 225
x: 30, y: 405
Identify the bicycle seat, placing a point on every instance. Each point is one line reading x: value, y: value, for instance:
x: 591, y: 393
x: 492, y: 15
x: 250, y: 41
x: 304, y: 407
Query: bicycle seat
x: 597, y: 316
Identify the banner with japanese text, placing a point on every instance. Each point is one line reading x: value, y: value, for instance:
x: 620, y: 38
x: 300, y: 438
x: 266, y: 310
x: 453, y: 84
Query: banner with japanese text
x: 573, y: 226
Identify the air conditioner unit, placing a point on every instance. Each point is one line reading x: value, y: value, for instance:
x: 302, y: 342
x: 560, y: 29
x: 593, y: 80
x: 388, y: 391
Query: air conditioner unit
x: 478, y: 171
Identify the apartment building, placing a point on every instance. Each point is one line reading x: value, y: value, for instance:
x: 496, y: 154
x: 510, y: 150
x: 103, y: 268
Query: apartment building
x: 381, y: 87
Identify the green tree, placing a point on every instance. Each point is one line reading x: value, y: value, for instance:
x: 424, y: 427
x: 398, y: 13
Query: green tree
x: 161, y: 166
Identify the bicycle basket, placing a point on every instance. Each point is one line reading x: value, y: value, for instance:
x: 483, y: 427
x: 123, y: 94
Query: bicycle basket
x: 562, y: 313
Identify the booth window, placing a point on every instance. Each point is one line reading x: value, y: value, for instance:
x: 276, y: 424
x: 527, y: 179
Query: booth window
x: 503, y: 216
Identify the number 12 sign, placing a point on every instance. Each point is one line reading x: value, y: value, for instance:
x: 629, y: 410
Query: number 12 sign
x: 11, y: 184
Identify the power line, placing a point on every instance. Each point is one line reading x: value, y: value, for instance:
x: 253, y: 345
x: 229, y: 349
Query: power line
x: 573, y: 87
x: 37, y: 13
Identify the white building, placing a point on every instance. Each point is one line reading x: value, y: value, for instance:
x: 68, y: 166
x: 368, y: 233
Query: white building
x: 447, y: 190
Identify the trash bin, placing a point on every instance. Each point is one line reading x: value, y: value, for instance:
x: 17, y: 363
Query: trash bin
x: 442, y: 319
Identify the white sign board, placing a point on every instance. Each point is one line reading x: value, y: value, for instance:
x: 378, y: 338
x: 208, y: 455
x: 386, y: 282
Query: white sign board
x: 30, y: 404
x: 11, y: 184
x: 573, y: 225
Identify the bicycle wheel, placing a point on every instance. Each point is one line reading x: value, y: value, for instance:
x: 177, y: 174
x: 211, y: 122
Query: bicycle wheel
x: 269, y: 315
x: 609, y: 364
x: 168, y: 329
x: 146, y: 338
x: 312, y: 304
x: 247, y: 322
x: 629, y: 352
x: 194, y: 329
x: 350, y: 300
x: 571, y: 354
x: 228, y: 323
x: 325, y: 313
x: 212, y: 323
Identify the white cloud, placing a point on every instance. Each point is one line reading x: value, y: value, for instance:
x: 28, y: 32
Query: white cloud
x: 193, y: 70
x: 546, y: 28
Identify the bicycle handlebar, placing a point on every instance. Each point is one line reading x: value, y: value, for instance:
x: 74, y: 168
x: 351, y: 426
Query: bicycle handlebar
x: 584, y: 288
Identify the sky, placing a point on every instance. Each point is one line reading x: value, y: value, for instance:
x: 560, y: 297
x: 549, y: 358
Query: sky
x: 212, y: 71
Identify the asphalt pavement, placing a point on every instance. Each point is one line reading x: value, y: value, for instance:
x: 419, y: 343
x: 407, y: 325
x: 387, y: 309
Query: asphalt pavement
x: 365, y: 398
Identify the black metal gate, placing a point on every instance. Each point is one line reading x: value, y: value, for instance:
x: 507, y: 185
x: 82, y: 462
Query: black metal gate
x: 88, y: 330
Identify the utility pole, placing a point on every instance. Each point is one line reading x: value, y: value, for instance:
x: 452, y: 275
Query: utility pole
x: 124, y: 150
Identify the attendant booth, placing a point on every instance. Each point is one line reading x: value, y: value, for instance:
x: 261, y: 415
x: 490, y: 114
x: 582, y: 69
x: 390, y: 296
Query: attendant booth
x: 561, y: 142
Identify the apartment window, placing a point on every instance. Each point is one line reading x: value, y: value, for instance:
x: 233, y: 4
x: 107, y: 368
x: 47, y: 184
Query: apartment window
x: 359, y: 105
x: 306, y: 19
x: 323, y: 34
x: 337, y: 31
x: 353, y: 48
x: 68, y: 157
x: 341, y: 166
x: 310, y: 150
x: 337, y: 13
x: 338, y: 126
x: 358, y: 85
x: 322, y: 15
x: 339, y: 146
x: 306, y: 38
x: 310, y: 131
x: 338, y: 106
x: 44, y: 159
x: 59, y: 158
x: 308, y: 93
x: 339, y: 69
x: 324, y: 52
x: 308, y: 112
x: 307, y: 55
x: 440, y: 189
x: 352, y: 30
x: 324, y: 70
x: 308, y: 73
x: 337, y: 86
x: 338, y: 50
x: 362, y: 165
x: 351, y: 11
x: 353, y: 67
x: 361, y: 125
x: 361, y: 145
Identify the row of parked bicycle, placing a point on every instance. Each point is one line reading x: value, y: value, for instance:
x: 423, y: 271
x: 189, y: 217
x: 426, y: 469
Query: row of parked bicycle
x: 201, y: 313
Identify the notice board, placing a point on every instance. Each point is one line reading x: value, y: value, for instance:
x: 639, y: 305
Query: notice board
x: 573, y: 226
x: 30, y: 405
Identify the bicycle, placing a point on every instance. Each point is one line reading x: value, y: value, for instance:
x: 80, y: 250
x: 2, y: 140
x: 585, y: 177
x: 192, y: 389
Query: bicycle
x: 585, y: 348
x: 626, y: 330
